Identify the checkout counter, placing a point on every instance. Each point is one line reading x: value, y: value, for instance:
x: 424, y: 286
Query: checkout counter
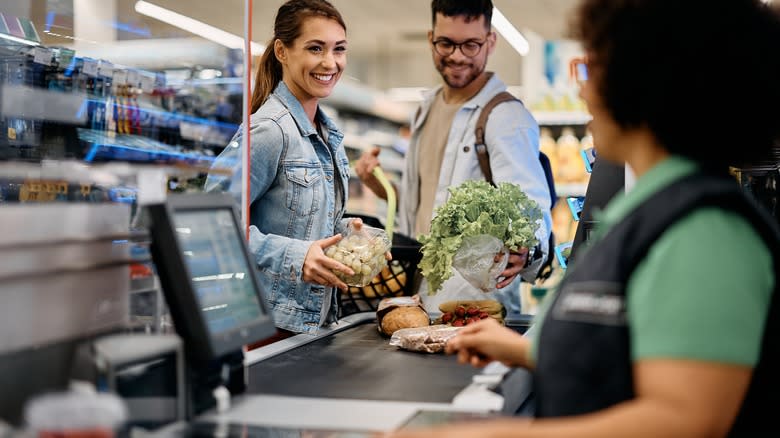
x: 345, y: 381
x: 347, y: 378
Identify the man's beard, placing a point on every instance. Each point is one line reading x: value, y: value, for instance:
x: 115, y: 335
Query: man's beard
x: 465, y: 77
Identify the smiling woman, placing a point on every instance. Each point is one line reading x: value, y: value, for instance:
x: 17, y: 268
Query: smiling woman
x: 298, y: 167
x: 313, y: 63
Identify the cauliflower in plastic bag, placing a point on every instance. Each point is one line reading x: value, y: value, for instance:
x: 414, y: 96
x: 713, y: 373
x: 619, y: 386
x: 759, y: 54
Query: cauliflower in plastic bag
x: 475, y: 261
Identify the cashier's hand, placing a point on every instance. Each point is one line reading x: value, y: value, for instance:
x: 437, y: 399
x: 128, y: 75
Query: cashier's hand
x: 486, y: 341
x: 516, y: 263
x: 317, y: 266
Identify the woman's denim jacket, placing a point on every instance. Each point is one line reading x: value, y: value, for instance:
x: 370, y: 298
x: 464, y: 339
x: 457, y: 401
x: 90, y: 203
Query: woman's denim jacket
x: 292, y: 203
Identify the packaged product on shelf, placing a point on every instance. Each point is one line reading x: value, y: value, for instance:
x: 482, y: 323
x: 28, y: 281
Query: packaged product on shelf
x: 570, y: 168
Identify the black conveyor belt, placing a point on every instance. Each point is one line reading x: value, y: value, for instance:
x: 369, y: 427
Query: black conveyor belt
x: 358, y: 363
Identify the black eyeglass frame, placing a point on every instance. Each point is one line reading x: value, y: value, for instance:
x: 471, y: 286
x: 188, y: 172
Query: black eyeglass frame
x: 456, y: 46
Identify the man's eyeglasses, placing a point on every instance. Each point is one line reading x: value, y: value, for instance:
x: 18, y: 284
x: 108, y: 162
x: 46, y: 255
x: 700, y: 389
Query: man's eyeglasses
x: 470, y: 48
x: 578, y: 70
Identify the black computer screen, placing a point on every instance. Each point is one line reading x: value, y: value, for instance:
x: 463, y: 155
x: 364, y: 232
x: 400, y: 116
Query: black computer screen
x: 219, y: 270
x: 208, y: 275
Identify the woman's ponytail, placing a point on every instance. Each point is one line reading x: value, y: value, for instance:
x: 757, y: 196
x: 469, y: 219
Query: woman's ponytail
x: 269, y: 73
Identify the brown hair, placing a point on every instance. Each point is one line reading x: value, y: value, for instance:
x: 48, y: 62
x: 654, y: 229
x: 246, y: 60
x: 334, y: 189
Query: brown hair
x: 287, y: 27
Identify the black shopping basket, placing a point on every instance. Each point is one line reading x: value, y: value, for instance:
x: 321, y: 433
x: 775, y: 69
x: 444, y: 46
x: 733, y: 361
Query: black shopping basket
x: 398, y: 278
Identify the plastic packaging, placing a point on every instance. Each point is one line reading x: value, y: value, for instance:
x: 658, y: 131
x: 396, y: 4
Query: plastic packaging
x: 80, y: 412
x: 363, y: 250
x: 570, y: 165
x: 475, y: 261
x: 430, y: 339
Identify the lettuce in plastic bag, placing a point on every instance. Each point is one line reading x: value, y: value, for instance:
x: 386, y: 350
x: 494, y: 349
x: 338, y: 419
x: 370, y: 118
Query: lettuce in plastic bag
x: 475, y: 208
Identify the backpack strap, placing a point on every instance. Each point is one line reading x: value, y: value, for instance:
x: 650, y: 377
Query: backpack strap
x: 479, y: 144
x: 484, y: 163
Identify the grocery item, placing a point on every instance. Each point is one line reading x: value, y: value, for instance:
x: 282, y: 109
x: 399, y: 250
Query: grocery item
x: 389, y: 282
x: 363, y: 250
x: 464, y: 312
x: 430, y: 339
x: 477, y: 208
x: 398, y: 313
x: 570, y: 166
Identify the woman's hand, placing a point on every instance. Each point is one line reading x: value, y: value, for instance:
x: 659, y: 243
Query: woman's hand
x: 516, y: 263
x: 317, y: 267
x: 486, y: 341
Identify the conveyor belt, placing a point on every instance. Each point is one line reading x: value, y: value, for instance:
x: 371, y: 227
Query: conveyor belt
x: 358, y: 363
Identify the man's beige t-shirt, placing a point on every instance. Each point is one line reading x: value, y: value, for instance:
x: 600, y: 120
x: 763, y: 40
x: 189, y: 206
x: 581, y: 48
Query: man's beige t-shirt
x: 432, y: 144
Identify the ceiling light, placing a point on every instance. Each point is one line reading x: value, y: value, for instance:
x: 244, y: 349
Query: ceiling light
x: 196, y: 27
x: 510, y: 33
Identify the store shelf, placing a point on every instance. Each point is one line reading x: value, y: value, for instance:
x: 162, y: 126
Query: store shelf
x: 557, y: 118
x: 134, y: 148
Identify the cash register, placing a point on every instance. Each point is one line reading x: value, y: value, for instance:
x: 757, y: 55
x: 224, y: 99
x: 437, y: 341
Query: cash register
x: 214, y: 298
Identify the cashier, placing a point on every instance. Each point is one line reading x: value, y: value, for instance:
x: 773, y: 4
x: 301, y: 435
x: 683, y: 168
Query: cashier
x: 298, y: 167
x: 666, y: 325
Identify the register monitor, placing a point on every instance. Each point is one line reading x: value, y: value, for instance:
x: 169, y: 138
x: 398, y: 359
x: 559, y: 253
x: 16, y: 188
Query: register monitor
x: 208, y: 275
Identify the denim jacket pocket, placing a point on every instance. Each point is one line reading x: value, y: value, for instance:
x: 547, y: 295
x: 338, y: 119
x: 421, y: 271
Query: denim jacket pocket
x: 304, y: 187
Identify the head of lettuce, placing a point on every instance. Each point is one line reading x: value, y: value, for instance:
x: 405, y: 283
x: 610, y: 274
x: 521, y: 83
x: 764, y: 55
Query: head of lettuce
x: 477, y: 208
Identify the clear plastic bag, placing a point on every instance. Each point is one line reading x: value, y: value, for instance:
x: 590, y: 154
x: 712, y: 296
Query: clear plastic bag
x: 475, y: 261
x: 430, y: 339
x: 363, y: 250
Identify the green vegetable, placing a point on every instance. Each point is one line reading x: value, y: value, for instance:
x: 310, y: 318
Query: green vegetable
x: 474, y: 208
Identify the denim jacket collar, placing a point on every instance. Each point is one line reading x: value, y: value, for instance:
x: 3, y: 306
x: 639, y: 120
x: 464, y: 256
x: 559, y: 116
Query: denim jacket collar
x: 302, y: 121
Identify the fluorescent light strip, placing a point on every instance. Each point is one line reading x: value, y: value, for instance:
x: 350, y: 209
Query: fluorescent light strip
x: 18, y: 40
x: 510, y: 33
x: 196, y: 27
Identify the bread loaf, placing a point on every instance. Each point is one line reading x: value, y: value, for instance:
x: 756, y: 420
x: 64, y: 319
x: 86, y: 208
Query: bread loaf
x: 400, y: 312
x: 404, y: 317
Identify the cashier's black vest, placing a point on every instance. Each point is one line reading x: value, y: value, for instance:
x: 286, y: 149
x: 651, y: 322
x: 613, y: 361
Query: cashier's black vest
x: 584, y: 364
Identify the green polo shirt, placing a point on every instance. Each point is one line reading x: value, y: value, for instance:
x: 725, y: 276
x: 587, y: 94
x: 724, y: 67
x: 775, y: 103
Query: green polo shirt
x: 704, y: 288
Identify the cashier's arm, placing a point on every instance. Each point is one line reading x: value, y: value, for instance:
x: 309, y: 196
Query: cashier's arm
x: 675, y: 398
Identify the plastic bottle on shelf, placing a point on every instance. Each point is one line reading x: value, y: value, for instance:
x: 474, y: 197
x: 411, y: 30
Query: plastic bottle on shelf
x: 569, y: 161
x: 550, y: 148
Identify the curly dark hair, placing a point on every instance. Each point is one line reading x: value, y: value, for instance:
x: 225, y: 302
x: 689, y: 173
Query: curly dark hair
x: 702, y: 75
x: 471, y: 9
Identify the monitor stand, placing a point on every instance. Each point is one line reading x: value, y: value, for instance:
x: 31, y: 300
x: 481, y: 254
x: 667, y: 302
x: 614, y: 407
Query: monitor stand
x: 203, y: 378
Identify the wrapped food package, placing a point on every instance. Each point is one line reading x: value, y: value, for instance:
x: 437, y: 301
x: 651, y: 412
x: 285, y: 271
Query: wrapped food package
x: 430, y: 339
x: 463, y: 312
x: 400, y: 312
